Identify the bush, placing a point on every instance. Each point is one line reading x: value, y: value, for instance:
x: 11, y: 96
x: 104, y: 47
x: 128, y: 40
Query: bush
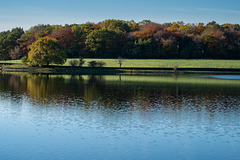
x: 81, y: 61
x: 73, y: 63
x: 101, y: 64
x: 92, y: 64
x: 24, y: 60
x: 96, y: 64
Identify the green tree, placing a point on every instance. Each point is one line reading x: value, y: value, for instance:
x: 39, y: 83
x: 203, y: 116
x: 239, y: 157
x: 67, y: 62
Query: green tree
x: 46, y: 51
x: 29, y: 37
x: 8, y: 41
x: 80, y: 33
x: 116, y: 25
x: 142, y: 48
x: 104, y: 43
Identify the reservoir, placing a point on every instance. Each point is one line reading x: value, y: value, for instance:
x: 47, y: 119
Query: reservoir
x: 131, y: 117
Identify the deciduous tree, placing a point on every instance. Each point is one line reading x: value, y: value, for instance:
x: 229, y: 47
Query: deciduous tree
x: 46, y: 51
x: 104, y: 43
x: 8, y: 40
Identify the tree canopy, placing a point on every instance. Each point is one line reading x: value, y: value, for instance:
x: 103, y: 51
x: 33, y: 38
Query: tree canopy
x: 8, y: 41
x: 118, y: 38
x: 46, y: 51
x: 104, y: 43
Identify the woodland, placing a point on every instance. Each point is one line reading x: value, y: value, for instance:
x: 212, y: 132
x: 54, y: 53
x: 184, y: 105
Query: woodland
x: 128, y: 39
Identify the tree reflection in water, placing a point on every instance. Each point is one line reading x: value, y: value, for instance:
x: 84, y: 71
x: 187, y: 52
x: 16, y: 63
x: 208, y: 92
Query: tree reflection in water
x: 126, y: 93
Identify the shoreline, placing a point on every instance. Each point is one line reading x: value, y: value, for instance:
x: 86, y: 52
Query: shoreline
x: 115, y: 70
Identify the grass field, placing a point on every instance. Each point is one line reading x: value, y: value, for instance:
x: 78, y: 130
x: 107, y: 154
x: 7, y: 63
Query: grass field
x: 160, y: 63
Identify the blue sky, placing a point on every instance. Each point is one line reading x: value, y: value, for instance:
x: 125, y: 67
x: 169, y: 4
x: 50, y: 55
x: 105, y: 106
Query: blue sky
x: 27, y: 13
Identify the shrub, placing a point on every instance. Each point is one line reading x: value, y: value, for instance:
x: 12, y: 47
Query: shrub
x: 73, y: 63
x: 81, y: 61
x: 92, y: 63
x: 96, y: 64
x: 101, y: 63
x: 24, y: 60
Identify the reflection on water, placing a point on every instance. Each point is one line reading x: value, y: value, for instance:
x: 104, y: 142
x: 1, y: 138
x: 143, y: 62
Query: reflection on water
x: 119, y: 117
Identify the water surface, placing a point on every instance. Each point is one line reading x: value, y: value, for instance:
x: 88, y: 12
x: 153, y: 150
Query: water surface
x: 45, y: 117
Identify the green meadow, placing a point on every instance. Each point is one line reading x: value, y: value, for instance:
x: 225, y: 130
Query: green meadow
x: 159, y: 63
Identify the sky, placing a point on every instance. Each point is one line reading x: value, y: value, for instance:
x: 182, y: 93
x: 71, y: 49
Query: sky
x: 27, y: 13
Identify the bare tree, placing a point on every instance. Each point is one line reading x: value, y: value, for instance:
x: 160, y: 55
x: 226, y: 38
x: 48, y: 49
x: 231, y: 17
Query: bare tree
x: 120, y: 61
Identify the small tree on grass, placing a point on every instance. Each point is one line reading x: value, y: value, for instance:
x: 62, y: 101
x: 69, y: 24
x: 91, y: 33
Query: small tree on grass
x: 120, y: 61
x: 175, y: 67
x: 46, y: 51
x: 73, y: 63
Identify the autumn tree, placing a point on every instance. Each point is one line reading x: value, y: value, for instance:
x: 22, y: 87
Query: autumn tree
x: 29, y: 37
x: 143, y: 45
x: 80, y: 33
x: 133, y: 25
x: 66, y: 39
x: 147, y: 30
x: 33, y: 34
x: 116, y: 25
x: 174, y: 27
x: 213, y: 43
x: 64, y: 36
x: 187, y: 29
x: 46, y: 51
x: 47, y: 30
x: 200, y: 28
x: 15, y: 53
x: 114, y: 38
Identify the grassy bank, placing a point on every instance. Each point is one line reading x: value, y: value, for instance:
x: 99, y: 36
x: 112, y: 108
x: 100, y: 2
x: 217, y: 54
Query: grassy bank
x: 168, y: 63
x: 135, y: 66
x: 112, y: 71
x: 160, y: 63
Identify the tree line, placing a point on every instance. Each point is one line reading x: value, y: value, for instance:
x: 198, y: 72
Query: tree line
x: 117, y: 38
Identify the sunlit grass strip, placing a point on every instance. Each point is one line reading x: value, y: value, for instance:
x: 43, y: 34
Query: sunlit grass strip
x: 11, y: 61
x: 167, y: 63
x: 160, y: 63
